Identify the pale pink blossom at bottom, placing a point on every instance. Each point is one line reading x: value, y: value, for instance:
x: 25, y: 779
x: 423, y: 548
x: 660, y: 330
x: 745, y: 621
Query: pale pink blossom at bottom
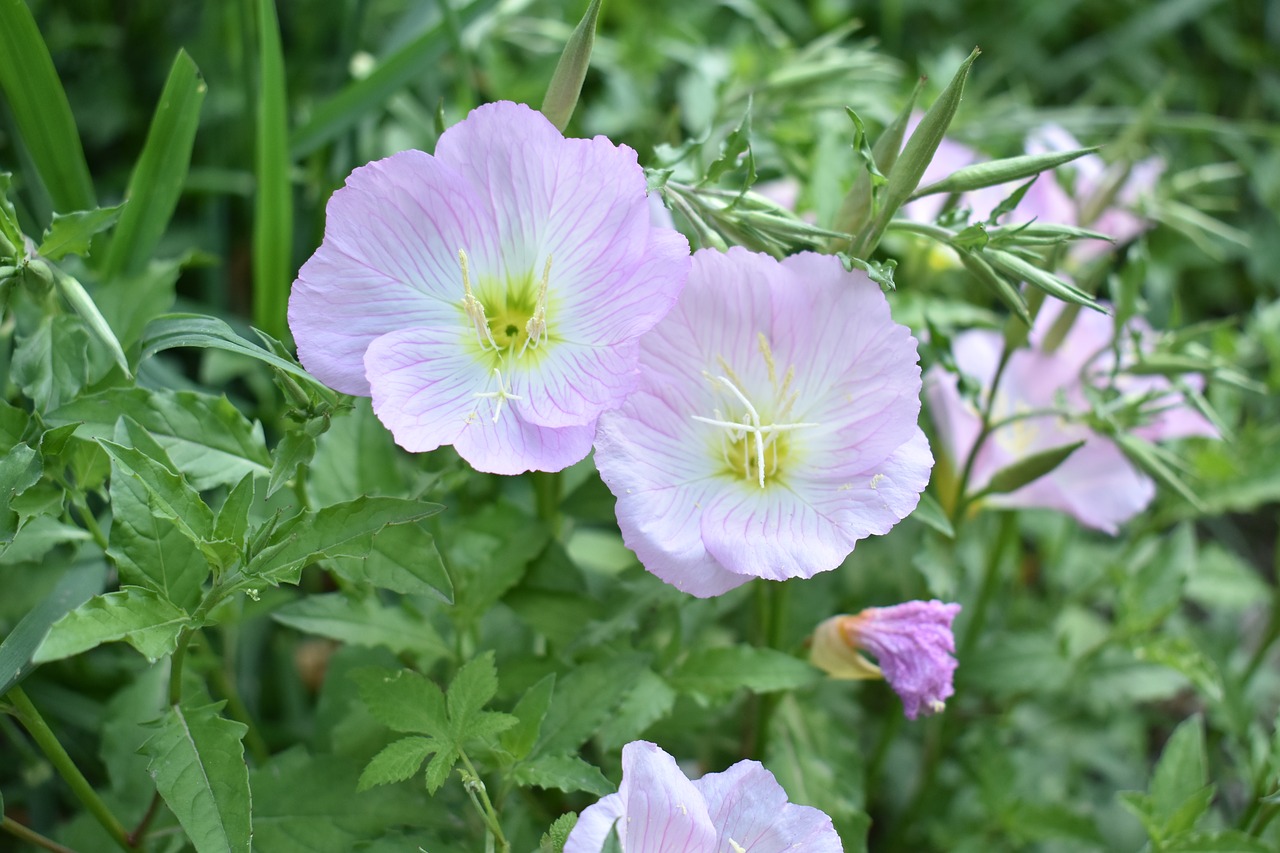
x: 659, y: 810
x: 1097, y: 484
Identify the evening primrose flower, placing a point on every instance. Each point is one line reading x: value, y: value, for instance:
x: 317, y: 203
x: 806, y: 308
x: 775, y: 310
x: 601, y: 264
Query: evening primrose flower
x: 658, y: 810
x: 1041, y: 401
x: 912, y: 642
x: 774, y: 425
x: 489, y: 296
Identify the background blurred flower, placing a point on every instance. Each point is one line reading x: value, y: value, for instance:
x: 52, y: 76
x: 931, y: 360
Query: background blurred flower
x: 1096, y: 484
x: 912, y: 642
x: 774, y: 425
x: 489, y: 296
x: 658, y: 810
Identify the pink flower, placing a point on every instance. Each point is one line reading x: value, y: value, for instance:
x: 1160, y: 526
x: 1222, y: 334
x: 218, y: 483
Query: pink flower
x: 774, y: 425
x: 491, y: 296
x: 912, y: 641
x: 1096, y: 484
x: 658, y: 810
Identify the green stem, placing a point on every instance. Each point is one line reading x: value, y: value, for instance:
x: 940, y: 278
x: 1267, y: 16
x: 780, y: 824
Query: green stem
x: 771, y: 611
x: 140, y: 831
x: 547, y: 487
x: 962, y: 487
x: 30, y: 836
x: 49, y: 745
x: 990, y: 580
x: 474, y: 785
x: 88, y: 519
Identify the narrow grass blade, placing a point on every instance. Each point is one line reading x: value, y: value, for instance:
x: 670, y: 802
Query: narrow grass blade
x: 161, y: 169
x: 40, y: 109
x: 273, y: 206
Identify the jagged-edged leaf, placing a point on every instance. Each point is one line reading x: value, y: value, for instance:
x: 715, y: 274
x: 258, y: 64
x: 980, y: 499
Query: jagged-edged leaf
x: 553, y: 840
x: 397, y: 761
x: 403, y: 700
x: 403, y: 559
x: 529, y: 713
x: 567, y: 773
x: 584, y: 698
x: 197, y: 761
x: 140, y: 617
x: 71, y: 233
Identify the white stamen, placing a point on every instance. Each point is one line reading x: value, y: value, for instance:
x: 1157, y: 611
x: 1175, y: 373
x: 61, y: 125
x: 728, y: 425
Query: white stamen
x: 473, y: 307
x: 750, y: 425
x: 537, y: 325
x: 501, y: 395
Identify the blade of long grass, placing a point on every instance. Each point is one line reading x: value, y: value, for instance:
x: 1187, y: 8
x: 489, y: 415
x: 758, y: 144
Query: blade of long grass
x: 273, y: 204
x: 161, y: 170
x: 40, y: 110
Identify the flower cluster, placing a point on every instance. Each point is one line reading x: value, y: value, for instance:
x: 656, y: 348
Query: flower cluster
x: 1040, y: 403
x: 912, y: 642
x: 658, y: 810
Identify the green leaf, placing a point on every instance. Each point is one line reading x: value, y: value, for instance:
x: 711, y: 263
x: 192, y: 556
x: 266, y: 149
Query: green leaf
x: 40, y: 110
x: 79, y: 300
x: 403, y: 559
x: 168, y: 495
x: 583, y: 700
x: 648, y: 700
x: 567, y: 773
x: 612, y: 844
x: 397, y: 761
x: 20, y: 469
x: 197, y: 761
x: 571, y: 70
x: 996, y: 172
x: 1182, y: 771
x: 161, y: 170
x: 205, y: 437
x: 296, y: 447
x: 11, y: 243
x: 529, y: 713
x: 930, y: 512
x: 1154, y: 461
x: 138, y: 616
x: 363, y: 623
x: 1028, y: 469
x: 735, y: 152
x: 197, y: 330
x: 232, y: 521
x: 997, y: 284
x: 470, y: 690
x: 403, y: 701
x: 71, y: 233
x: 722, y: 670
x: 76, y: 586
x: 1217, y: 841
x: 343, y: 530
x: 13, y: 425
x: 553, y: 840
x: 52, y: 363
x: 273, y: 199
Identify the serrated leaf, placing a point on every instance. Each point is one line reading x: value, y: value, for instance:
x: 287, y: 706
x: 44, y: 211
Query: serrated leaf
x: 722, y: 670
x: 397, y: 762
x: 584, y: 698
x: 470, y: 690
x: 76, y: 586
x: 168, y: 495
x: 1028, y: 469
x: 20, y: 469
x: 649, y: 699
x: 343, y: 530
x: 553, y: 840
x: 197, y: 761
x: 231, y: 524
x: 403, y: 701
x: 440, y: 767
x: 567, y: 773
x: 529, y: 713
x: 71, y: 233
x: 138, y: 616
x: 295, y: 448
x: 363, y: 622
x: 206, y: 437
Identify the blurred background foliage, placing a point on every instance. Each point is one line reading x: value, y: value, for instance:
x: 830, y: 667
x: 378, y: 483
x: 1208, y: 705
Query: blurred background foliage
x: 1094, y: 649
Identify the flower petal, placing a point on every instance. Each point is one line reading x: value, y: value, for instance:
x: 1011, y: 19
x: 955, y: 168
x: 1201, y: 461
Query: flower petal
x: 570, y: 384
x: 750, y: 808
x: 513, y: 445
x: 389, y: 261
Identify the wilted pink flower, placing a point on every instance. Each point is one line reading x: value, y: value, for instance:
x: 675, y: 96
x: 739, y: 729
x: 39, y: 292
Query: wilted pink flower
x: 1096, y: 484
x: 774, y: 425
x: 912, y: 641
x: 658, y: 810
x: 490, y: 296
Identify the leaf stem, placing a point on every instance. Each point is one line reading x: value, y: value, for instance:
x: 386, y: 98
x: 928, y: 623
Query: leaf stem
x: 474, y: 785
x: 30, y: 836
x: 52, y: 748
